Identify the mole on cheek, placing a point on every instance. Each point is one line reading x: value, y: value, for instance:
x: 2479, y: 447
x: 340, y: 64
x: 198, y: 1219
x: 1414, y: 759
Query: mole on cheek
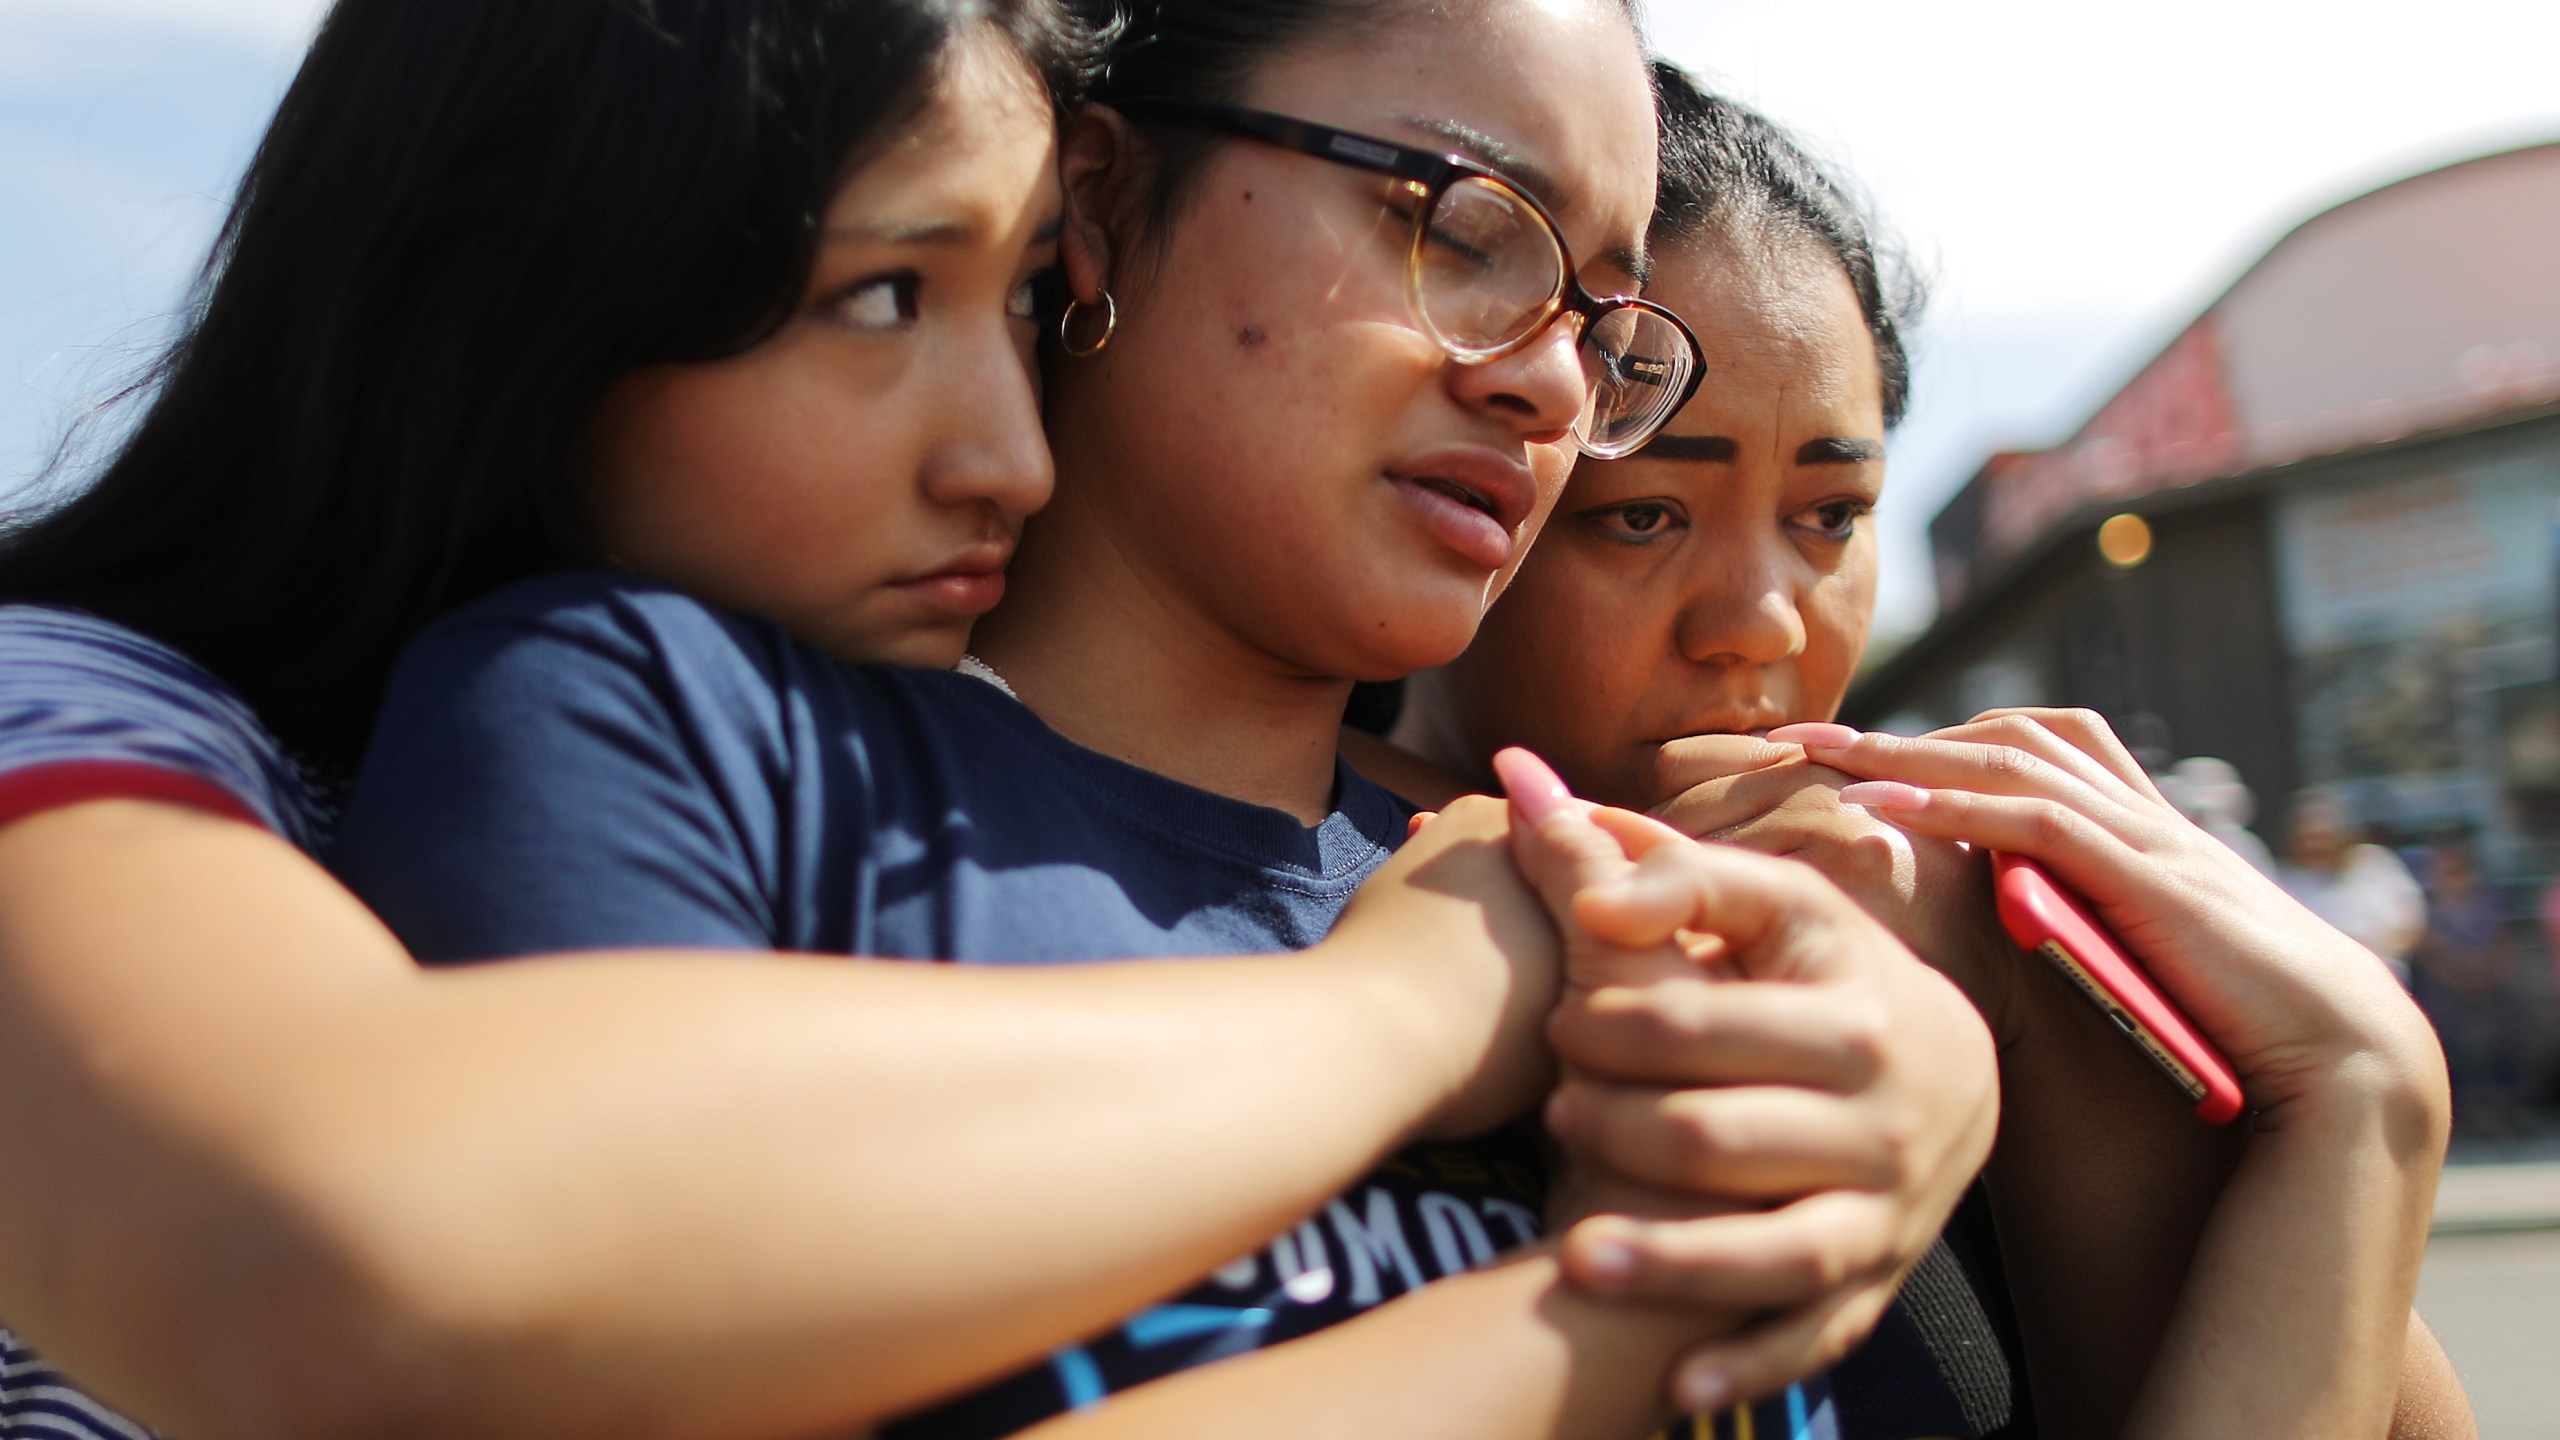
x: 1250, y: 337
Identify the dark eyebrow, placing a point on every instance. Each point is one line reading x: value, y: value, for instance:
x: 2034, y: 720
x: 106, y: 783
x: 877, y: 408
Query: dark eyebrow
x: 929, y: 232
x: 1836, y: 451
x: 1698, y: 449
x: 923, y: 232
x: 1486, y: 150
x: 1490, y: 151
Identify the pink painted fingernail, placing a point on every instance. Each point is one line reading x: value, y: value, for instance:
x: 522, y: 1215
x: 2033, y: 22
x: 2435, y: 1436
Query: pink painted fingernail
x: 1885, y: 795
x: 1815, y: 735
x: 1606, y: 1264
x: 1559, y: 1112
x: 1536, y: 791
x: 1702, y: 1388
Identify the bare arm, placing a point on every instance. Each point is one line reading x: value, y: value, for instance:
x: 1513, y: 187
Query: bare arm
x: 1505, y: 1353
x: 267, y: 1178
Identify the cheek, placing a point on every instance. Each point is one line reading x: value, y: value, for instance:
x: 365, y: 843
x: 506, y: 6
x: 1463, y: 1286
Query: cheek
x: 1836, y: 617
x: 1259, y: 336
x: 748, y: 482
x: 1558, y: 664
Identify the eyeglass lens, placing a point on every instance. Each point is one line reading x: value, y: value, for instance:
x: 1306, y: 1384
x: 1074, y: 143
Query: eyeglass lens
x: 1640, y: 364
x: 1487, y: 273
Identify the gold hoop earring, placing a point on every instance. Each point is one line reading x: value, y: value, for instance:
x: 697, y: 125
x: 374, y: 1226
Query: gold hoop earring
x: 1110, y: 327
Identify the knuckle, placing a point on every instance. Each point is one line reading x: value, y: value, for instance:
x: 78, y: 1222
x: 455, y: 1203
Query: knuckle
x: 1869, y: 853
x: 1678, y: 1014
x: 2050, y: 825
x: 2006, y: 761
x: 2077, y: 721
x: 1699, y: 1141
x: 1825, y: 1268
x: 1865, y: 1039
x: 1897, y: 1140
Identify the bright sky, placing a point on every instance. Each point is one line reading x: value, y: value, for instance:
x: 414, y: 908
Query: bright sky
x: 2079, y: 179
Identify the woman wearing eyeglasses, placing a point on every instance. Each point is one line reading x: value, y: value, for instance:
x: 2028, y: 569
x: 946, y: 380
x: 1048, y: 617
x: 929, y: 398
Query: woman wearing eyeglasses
x: 1317, y: 383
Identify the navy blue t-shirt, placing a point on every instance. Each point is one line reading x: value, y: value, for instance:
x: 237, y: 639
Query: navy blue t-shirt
x: 590, y: 761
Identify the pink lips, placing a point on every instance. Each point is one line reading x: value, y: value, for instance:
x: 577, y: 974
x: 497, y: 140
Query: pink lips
x: 971, y: 585
x: 1471, y: 499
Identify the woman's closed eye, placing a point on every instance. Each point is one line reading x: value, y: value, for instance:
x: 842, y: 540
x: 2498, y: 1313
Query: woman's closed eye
x: 1833, y: 520
x: 1636, y: 522
x: 878, y: 304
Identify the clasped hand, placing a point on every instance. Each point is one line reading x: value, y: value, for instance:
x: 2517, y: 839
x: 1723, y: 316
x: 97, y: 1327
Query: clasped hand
x: 1768, y: 1106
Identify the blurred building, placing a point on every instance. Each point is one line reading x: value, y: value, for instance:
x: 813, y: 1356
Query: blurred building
x: 2316, y: 536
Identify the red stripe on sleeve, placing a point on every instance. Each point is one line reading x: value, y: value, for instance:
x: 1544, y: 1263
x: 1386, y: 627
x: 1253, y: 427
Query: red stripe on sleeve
x: 39, y: 788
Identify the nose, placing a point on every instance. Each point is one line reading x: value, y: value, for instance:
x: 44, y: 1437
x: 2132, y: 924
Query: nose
x: 1740, y: 609
x: 993, y: 451
x: 1538, y: 390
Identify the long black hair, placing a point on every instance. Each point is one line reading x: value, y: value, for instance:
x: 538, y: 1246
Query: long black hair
x: 467, y: 217
x: 1727, y: 169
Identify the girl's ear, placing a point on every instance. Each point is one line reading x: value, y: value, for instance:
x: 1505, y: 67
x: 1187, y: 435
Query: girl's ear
x: 1096, y: 162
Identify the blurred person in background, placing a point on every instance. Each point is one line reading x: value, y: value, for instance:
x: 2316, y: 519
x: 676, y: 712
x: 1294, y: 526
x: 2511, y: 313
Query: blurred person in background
x: 2463, y: 975
x: 2209, y: 791
x: 2361, y: 888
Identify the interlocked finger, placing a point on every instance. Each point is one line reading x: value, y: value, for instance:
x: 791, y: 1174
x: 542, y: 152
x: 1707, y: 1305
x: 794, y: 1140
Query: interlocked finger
x: 1750, y: 1141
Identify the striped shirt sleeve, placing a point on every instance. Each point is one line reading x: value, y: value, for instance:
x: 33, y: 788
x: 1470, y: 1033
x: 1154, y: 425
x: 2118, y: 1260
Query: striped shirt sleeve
x: 90, y: 710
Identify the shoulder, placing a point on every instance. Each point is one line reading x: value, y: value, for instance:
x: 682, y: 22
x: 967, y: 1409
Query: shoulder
x: 595, y: 639
x: 600, y: 612
x: 48, y: 655
x: 90, y: 709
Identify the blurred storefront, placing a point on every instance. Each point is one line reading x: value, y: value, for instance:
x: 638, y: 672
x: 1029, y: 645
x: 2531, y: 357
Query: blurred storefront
x: 2316, y: 537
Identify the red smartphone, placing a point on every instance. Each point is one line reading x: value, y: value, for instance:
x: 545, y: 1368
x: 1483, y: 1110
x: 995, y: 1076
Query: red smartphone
x: 2044, y: 917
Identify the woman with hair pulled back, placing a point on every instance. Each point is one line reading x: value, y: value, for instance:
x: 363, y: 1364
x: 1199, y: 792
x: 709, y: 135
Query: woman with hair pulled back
x: 1715, y: 589
x: 738, y: 294
x: 1346, y: 286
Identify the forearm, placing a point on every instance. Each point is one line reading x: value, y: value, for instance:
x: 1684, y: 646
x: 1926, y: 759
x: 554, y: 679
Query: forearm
x: 287, y: 1183
x: 2101, y: 1184
x: 1504, y: 1353
x: 2296, y: 1318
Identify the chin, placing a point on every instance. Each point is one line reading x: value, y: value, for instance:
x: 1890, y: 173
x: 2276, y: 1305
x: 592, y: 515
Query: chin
x: 915, y: 647
x: 1404, y: 650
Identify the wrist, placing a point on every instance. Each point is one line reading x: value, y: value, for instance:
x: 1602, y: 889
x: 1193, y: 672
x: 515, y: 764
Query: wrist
x: 1416, y: 1049
x: 2389, y: 1104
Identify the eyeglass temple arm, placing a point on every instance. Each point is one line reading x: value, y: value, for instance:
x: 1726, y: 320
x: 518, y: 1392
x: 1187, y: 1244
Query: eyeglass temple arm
x: 1307, y: 138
